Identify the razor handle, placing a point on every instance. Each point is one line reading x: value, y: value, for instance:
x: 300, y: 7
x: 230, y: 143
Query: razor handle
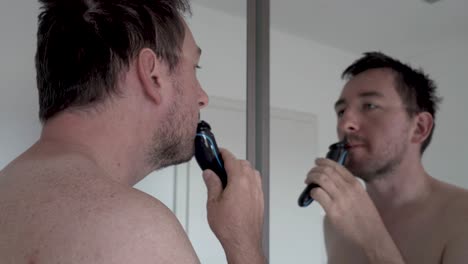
x: 336, y: 152
x: 207, y: 153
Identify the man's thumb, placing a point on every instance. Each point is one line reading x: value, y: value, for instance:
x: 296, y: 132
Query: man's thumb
x: 213, y: 184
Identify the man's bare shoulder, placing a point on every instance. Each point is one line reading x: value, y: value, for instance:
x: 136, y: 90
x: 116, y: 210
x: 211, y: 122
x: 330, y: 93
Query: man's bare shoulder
x: 452, y: 209
x: 455, y: 217
x: 454, y: 199
x: 71, y: 213
x: 142, y: 230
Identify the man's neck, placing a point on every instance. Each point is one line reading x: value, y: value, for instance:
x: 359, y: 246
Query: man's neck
x: 111, y: 144
x: 407, y: 184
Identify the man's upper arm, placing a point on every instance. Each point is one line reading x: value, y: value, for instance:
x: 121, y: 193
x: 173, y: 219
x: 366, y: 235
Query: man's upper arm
x: 146, y: 233
x: 338, y: 249
x: 456, y: 249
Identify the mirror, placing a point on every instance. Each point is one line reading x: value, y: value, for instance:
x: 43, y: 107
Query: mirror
x: 312, y: 42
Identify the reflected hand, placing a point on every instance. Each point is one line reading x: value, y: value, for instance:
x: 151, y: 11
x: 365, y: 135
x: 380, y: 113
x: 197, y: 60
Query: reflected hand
x: 347, y: 204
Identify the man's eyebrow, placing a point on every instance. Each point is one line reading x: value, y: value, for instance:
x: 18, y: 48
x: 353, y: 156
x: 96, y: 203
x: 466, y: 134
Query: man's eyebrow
x: 370, y: 94
x: 199, y: 51
x: 342, y: 101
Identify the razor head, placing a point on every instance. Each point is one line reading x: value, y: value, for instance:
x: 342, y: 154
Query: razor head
x: 338, y: 151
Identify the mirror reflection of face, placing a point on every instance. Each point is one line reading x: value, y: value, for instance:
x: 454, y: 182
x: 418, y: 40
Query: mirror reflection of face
x: 373, y: 117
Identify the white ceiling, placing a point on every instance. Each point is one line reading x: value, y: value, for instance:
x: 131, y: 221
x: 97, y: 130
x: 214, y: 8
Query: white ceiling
x: 400, y: 27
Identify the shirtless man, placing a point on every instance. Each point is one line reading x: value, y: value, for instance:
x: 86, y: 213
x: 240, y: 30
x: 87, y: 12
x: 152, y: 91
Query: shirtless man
x: 387, y: 111
x: 119, y: 98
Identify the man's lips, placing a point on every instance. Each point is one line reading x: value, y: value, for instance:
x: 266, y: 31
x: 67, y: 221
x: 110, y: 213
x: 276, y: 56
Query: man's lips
x: 354, y: 145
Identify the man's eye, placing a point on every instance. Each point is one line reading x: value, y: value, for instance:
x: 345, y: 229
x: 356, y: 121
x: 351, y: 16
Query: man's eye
x: 369, y: 106
x: 198, y: 67
x: 339, y: 113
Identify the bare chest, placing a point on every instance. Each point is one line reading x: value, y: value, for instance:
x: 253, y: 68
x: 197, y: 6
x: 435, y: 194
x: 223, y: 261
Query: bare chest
x: 420, y: 241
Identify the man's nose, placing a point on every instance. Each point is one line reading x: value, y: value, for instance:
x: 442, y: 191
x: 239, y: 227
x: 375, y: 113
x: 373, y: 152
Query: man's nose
x: 203, y: 101
x: 348, y: 122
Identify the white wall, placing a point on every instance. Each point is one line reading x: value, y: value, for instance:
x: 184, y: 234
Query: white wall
x: 19, y: 125
x: 305, y: 76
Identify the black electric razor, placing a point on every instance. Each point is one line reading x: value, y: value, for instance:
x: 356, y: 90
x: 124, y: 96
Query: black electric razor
x: 336, y: 152
x: 207, y: 152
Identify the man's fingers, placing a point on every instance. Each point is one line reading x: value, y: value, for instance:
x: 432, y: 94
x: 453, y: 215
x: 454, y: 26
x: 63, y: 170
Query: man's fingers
x: 331, y: 174
x: 346, y: 176
x: 213, y: 185
x: 229, y: 161
x: 226, y: 154
x: 324, y: 181
x: 322, y: 197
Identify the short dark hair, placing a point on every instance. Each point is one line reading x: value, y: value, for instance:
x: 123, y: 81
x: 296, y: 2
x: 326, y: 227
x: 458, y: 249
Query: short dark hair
x: 416, y: 89
x: 83, y: 46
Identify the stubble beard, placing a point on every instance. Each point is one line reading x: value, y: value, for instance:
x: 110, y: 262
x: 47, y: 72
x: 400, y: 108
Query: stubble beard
x: 173, y: 143
x: 377, y: 167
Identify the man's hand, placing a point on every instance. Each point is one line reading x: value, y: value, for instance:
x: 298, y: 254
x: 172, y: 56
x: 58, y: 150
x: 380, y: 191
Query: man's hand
x: 351, y: 212
x: 235, y: 214
x: 345, y: 201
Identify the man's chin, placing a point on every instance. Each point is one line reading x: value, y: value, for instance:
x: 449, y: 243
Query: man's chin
x: 185, y: 159
x: 357, y: 169
x: 186, y: 154
x: 177, y: 156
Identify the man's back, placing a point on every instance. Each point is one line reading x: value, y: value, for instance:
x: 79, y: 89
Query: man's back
x: 61, y: 208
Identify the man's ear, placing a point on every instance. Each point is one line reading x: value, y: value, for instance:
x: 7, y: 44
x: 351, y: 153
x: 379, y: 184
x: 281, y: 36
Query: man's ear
x: 152, y: 74
x: 424, y: 123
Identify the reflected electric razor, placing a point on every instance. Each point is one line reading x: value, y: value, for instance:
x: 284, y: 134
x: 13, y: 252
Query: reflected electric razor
x: 207, y: 152
x: 336, y: 152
